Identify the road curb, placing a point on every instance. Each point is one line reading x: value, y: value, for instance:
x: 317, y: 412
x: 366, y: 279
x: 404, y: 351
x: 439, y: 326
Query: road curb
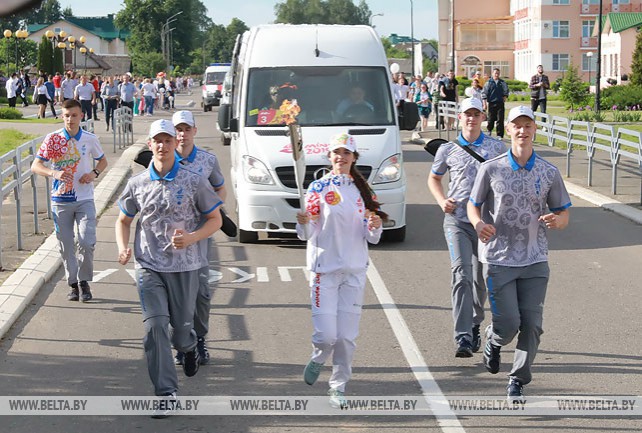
x: 38, y: 269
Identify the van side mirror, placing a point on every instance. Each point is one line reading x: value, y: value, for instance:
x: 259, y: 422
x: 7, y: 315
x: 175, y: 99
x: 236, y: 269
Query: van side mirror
x: 408, y: 116
x: 225, y: 121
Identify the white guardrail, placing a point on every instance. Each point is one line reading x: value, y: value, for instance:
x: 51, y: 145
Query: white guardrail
x: 576, y: 134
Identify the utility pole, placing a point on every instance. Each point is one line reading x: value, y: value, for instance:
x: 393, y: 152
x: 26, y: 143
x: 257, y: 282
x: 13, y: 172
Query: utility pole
x: 598, y: 68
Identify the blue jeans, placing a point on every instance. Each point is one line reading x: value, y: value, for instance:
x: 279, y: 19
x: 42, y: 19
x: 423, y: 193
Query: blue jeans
x: 149, y: 104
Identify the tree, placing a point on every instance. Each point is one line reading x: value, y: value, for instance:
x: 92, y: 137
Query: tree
x: 573, y: 90
x: 636, y: 64
x: 145, y: 20
x: 45, y: 55
x: 48, y: 12
x: 322, y: 12
x: 67, y: 12
x: 393, y: 52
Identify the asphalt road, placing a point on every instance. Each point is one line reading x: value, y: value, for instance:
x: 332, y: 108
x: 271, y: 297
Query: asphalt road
x: 260, y: 329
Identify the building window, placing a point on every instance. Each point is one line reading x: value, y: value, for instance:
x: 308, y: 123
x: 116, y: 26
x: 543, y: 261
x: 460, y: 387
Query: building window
x: 587, y: 28
x: 504, y: 68
x: 590, y: 2
x: 621, y: 2
x: 589, y: 63
x: 560, y: 29
x: 561, y: 2
x: 560, y: 62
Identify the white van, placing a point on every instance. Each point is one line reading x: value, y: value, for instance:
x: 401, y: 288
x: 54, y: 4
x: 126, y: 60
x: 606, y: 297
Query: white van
x: 212, y: 86
x: 339, y: 76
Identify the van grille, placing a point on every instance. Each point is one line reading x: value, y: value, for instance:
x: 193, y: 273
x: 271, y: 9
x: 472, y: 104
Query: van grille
x: 372, y: 131
x: 286, y: 174
x: 271, y: 132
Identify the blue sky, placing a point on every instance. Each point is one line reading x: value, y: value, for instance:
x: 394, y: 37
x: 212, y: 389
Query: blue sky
x: 395, y: 19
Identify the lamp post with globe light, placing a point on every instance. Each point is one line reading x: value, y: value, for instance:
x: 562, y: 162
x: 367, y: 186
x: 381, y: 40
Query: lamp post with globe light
x: 7, y: 35
x: 17, y: 35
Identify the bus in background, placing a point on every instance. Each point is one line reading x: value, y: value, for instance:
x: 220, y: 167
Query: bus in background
x: 212, y: 85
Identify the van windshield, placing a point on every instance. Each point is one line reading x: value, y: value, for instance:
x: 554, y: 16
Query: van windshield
x: 215, y: 77
x: 327, y: 96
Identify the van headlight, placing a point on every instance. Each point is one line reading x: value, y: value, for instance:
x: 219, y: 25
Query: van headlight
x: 256, y: 172
x: 389, y: 170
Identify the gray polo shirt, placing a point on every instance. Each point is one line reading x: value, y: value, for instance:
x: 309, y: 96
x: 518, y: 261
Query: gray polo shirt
x: 204, y: 163
x: 463, y: 167
x: 179, y: 200
x: 513, y: 198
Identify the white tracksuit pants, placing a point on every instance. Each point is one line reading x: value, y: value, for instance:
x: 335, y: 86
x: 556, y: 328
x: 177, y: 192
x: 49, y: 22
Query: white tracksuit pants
x: 336, y: 299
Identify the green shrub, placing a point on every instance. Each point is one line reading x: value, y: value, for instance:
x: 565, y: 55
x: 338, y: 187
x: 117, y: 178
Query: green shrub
x: 627, y: 97
x: 626, y: 116
x: 10, y: 113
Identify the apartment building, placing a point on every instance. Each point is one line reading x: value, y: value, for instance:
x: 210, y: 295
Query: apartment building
x: 483, y: 36
x: 518, y: 35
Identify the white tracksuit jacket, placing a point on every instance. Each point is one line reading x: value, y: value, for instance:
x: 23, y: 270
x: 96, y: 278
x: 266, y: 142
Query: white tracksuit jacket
x: 338, y: 228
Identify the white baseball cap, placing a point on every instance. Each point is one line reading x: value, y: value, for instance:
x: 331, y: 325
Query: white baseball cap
x: 161, y: 126
x: 469, y: 103
x: 343, y: 140
x: 520, y: 110
x: 183, y: 116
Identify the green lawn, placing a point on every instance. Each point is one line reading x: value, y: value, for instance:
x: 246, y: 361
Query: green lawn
x: 34, y: 120
x: 12, y: 138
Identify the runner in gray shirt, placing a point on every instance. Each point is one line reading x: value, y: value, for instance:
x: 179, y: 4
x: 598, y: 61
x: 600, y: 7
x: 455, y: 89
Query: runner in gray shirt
x: 205, y: 164
x: 515, y: 198
x: 171, y: 201
x: 468, y: 289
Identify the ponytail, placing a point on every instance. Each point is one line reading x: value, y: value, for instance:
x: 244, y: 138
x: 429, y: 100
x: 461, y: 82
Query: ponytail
x: 366, y: 192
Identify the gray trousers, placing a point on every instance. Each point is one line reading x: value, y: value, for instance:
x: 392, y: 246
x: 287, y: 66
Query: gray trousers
x: 516, y: 297
x: 167, y: 298
x: 203, y: 300
x: 468, y: 289
x: 66, y: 217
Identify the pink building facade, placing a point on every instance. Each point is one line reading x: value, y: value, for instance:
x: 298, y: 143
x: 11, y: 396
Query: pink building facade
x: 518, y: 35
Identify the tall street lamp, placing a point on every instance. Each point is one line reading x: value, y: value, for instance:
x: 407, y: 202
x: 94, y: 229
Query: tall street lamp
x: 589, y: 55
x: 72, y: 45
x: 372, y: 17
x: 56, y: 40
x: 598, y: 65
x: 20, y: 34
x: 412, y: 37
x: 7, y: 36
x: 165, y: 32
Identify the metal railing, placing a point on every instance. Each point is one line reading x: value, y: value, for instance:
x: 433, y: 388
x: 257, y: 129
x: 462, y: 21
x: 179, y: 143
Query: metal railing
x: 573, y: 134
x: 123, y: 127
x: 593, y: 136
x: 448, y: 110
x: 15, y: 172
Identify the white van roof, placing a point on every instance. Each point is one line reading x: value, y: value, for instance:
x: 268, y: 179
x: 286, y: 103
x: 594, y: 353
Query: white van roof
x: 275, y: 45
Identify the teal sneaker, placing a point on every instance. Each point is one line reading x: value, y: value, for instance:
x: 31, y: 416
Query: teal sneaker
x: 311, y: 372
x: 337, y: 399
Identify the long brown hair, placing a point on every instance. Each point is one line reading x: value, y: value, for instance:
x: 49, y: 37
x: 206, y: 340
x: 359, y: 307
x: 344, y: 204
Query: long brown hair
x: 364, y: 189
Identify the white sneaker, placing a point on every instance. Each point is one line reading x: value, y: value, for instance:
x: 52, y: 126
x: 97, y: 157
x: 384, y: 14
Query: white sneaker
x: 167, y: 404
x: 337, y: 399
